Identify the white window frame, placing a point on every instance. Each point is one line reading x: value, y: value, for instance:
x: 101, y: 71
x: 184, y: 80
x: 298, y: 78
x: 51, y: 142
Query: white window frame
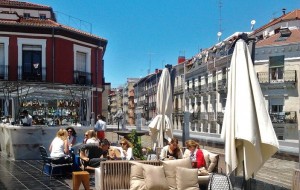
x: 5, y: 41
x: 87, y: 51
x: 30, y: 41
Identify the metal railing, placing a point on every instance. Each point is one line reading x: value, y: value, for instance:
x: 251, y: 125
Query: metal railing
x: 284, y: 117
x: 33, y: 75
x: 3, y: 72
x: 288, y: 76
x: 82, y: 78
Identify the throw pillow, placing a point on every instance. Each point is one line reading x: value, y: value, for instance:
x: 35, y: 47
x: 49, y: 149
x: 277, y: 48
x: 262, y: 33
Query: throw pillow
x: 170, y: 170
x: 213, y: 158
x: 137, y: 181
x: 154, y: 177
x: 187, y: 179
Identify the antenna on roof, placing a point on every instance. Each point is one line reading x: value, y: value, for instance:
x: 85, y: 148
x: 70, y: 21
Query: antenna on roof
x: 219, y: 34
x: 150, y: 59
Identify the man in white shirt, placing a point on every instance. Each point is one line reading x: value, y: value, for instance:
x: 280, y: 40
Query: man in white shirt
x: 100, y: 127
x: 27, y: 121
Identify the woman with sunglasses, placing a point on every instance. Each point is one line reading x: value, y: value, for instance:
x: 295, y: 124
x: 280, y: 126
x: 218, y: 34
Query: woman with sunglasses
x: 126, y: 149
x: 71, y: 136
x: 85, y: 137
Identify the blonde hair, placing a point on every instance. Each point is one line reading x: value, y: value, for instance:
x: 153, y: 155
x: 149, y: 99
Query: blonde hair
x: 62, y: 134
x: 91, y: 134
x: 191, y: 143
x: 129, y: 144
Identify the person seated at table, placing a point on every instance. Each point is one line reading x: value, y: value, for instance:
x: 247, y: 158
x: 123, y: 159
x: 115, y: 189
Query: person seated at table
x: 194, y: 152
x: 86, y: 137
x: 126, y: 149
x: 59, y: 146
x: 71, y: 136
x: 171, y: 151
x: 92, y: 137
x: 96, y: 154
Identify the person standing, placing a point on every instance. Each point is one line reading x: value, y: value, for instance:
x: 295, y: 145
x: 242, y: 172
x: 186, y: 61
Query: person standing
x: 27, y: 121
x: 100, y: 127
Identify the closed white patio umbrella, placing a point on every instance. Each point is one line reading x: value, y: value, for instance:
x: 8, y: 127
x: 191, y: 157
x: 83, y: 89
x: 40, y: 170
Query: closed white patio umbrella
x: 161, y: 126
x: 247, y: 129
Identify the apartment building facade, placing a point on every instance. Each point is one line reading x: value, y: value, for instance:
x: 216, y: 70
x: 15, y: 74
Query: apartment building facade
x: 200, y: 83
x: 35, y: 53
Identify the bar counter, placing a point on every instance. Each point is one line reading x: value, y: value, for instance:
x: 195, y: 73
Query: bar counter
x: 22, y: 142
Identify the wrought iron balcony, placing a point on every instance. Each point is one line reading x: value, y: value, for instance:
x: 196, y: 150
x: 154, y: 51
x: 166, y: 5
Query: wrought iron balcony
x: 32, y: 75
x: 204, y: 88
x: 212, y: 86
x: 284, y: 117
x: 211, y: 116
x: 222, y: 85
x: 178, y: 89
x: 289, y: 79
x: 3, y: 72
x: 204, y: 116
x: 220, y: 117
x: 82, y: 78
x: 194, y: 117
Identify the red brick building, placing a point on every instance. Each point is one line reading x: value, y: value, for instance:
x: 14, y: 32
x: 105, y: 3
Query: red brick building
x: 48, y: 59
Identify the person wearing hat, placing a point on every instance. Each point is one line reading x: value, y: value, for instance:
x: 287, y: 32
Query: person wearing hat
x: 27, y: 120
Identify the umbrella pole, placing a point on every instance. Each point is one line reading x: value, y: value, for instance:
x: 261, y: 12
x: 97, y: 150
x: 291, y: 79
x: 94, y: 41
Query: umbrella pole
x: 245, y: 182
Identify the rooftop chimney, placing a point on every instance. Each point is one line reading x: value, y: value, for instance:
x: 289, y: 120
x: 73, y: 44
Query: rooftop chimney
x: 181, y: 59
x: 283, y: 11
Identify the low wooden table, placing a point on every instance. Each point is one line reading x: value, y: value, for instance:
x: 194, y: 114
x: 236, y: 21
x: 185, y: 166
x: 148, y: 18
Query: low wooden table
x: 81, y: 177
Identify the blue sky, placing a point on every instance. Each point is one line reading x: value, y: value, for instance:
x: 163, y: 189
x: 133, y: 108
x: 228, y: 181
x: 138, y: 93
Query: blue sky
x: 148, y: 34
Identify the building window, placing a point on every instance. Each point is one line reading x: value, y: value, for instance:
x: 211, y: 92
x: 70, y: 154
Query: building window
x: 276, y: 105
x: 276, y: 68
x: 81, y: 61
x: 43, y: 16
x: 26, y: 15
x: 31, y: 66
x: 82, y: 65
x: 2, y: 62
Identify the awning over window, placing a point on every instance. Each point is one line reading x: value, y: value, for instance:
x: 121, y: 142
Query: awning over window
x: 276, y: 61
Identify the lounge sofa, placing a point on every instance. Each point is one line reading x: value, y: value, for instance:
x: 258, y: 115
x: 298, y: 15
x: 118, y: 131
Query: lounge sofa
x: 122, y: 174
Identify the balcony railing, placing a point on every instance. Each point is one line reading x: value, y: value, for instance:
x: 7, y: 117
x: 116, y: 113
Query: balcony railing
x: 178, y: 89
x: 211, y: 116
x: 3, y: 72
x: 222, y: 85
x: 203, y: 116
x: 289, y: 76
x: 284, y: 117
x: 33, y: 75
x: 204, y: 88
x: 212, y: 86
x: 194, y: 117
x: 82, y: 78
x: 220, y: 117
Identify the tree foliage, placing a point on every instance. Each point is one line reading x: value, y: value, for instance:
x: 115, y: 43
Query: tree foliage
x: 137, y: 145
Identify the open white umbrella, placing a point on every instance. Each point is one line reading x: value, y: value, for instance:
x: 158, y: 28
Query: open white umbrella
x: 247, y: 129
x: 161, y: 126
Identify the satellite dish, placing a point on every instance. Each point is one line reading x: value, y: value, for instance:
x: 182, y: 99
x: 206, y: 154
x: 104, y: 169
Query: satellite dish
x: 219, y: 34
